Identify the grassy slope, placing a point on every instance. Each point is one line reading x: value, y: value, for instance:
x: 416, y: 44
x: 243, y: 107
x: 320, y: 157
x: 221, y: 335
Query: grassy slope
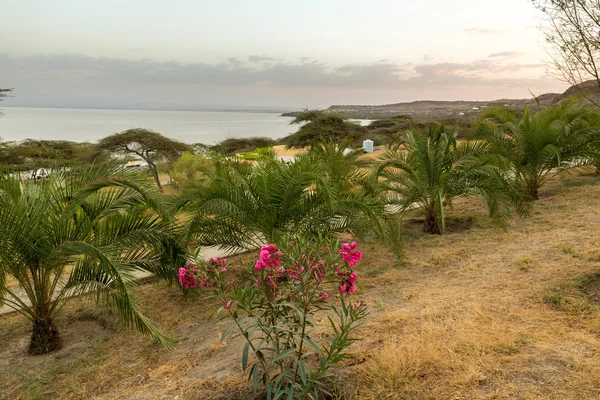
x: 479, y: 313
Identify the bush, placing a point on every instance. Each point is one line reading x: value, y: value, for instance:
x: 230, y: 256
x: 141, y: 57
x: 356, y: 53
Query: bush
x: 275, y: 307
x: 190, y: 170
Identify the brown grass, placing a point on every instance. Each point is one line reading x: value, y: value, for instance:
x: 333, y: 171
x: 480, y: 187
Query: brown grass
x: 478, y: 313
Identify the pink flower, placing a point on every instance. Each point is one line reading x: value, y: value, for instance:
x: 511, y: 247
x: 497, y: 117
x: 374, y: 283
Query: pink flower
x: 269, y: 256
x: 324, y: 295
x: 352, y: 278
x: 347, y: 281
x: 351, y: 256
x: 223, y: 270
x: 228, y: 305
x: 188, y: 276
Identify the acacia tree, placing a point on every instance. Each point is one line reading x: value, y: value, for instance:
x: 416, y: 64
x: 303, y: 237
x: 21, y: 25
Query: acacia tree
x: 150, y: 146
x: 320, y: 126
x: 571, y: 29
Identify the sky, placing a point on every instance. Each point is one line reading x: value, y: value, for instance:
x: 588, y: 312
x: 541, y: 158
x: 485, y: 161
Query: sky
x: 195, y: 54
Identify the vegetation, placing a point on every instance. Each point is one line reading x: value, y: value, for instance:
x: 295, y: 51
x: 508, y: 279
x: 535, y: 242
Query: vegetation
x: 244, y: 205
x: 464, y: 317
x: 275, y: 308
x: 92, y: 232
x: 30, y: 154
x: 86, y: 232
x: 319, y: 126
x: 541, y: 145
x: 190, y: 170
x: 150, y: 146
x: 571, y: 30
x: 231, y: 146
x: 430, y: 169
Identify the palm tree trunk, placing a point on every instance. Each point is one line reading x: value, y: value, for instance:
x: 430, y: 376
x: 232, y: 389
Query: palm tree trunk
x: 533, y: 191
x: 431, y: 224
x: 44, y: 337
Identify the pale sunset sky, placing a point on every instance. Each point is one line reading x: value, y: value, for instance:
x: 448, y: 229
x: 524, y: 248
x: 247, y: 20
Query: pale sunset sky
x: 266, y: 53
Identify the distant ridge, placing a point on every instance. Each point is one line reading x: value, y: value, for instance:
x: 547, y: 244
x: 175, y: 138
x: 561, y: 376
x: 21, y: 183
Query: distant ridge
x: 431, y: 109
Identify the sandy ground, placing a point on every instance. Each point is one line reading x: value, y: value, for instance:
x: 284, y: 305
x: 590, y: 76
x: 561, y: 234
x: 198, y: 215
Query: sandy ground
x: 477, y: 313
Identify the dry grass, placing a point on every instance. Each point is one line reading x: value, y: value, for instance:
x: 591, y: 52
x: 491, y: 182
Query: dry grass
x: 479, y: 313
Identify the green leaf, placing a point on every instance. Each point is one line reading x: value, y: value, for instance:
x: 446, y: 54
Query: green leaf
x: 227, y: 331
x: 245, y: 356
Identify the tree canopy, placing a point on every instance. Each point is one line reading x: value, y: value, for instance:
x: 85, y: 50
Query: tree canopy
x: 571, y: 29
x: 150, y: 146
x: 320, y: 126
x: 31, y: 154
x: 230, y: 146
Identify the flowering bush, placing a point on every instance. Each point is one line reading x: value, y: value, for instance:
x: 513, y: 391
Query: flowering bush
x: 284, y: 309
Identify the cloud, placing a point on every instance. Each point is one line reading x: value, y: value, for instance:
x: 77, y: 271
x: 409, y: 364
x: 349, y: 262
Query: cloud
x: 81, y: 77
x: 234, y: 61
x: 233, y: 72
x: 261, y: 59
x: 483, y: 31
x: 428, y: 57
x: 505, y: 54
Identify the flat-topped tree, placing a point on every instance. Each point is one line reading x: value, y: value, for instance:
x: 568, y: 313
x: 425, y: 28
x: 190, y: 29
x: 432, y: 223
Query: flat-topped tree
x: 320, y: 126
x: 150, y: 146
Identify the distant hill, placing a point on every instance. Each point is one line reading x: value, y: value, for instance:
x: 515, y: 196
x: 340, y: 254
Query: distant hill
x: 433, y: 110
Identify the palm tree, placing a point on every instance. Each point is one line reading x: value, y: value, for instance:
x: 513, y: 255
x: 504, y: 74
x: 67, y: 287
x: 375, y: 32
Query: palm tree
x: 540, y: 146
x: 244, y: 205
x: 427, y: 170
x: 83, y: 231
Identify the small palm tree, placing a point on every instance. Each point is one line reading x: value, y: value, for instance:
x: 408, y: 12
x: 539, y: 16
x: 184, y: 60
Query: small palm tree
x: 244, y: 205
x: 427, y: 170
x: 85, y: 231
x: 542, y: 145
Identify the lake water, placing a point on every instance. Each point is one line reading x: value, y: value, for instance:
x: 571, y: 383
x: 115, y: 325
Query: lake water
x: 81, y: 125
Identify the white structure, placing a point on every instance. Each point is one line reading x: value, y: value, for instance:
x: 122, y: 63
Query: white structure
x: 461, y: 113
x: 475, y: 109
x: 368, y: 146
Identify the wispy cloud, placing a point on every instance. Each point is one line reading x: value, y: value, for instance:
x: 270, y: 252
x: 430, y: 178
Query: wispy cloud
x: 484, y: 31
x: 260, y: 59
x: 505, y: 54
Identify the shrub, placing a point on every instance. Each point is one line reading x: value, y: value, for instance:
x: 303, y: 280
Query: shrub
x: 190, y: 170
x: 245, y: 205
x: 540, y: 146
x: 429, y: 169
x: 275, y: 308
x: 86, y: 232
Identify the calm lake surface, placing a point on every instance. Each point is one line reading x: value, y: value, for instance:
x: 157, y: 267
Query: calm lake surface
x: 87, y: 125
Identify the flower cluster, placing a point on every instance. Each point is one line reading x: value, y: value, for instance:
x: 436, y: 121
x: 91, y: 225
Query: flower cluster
x: 188, y: 276
x: 348, y: 280
x: 351, y: 256
x: 269, y: 257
